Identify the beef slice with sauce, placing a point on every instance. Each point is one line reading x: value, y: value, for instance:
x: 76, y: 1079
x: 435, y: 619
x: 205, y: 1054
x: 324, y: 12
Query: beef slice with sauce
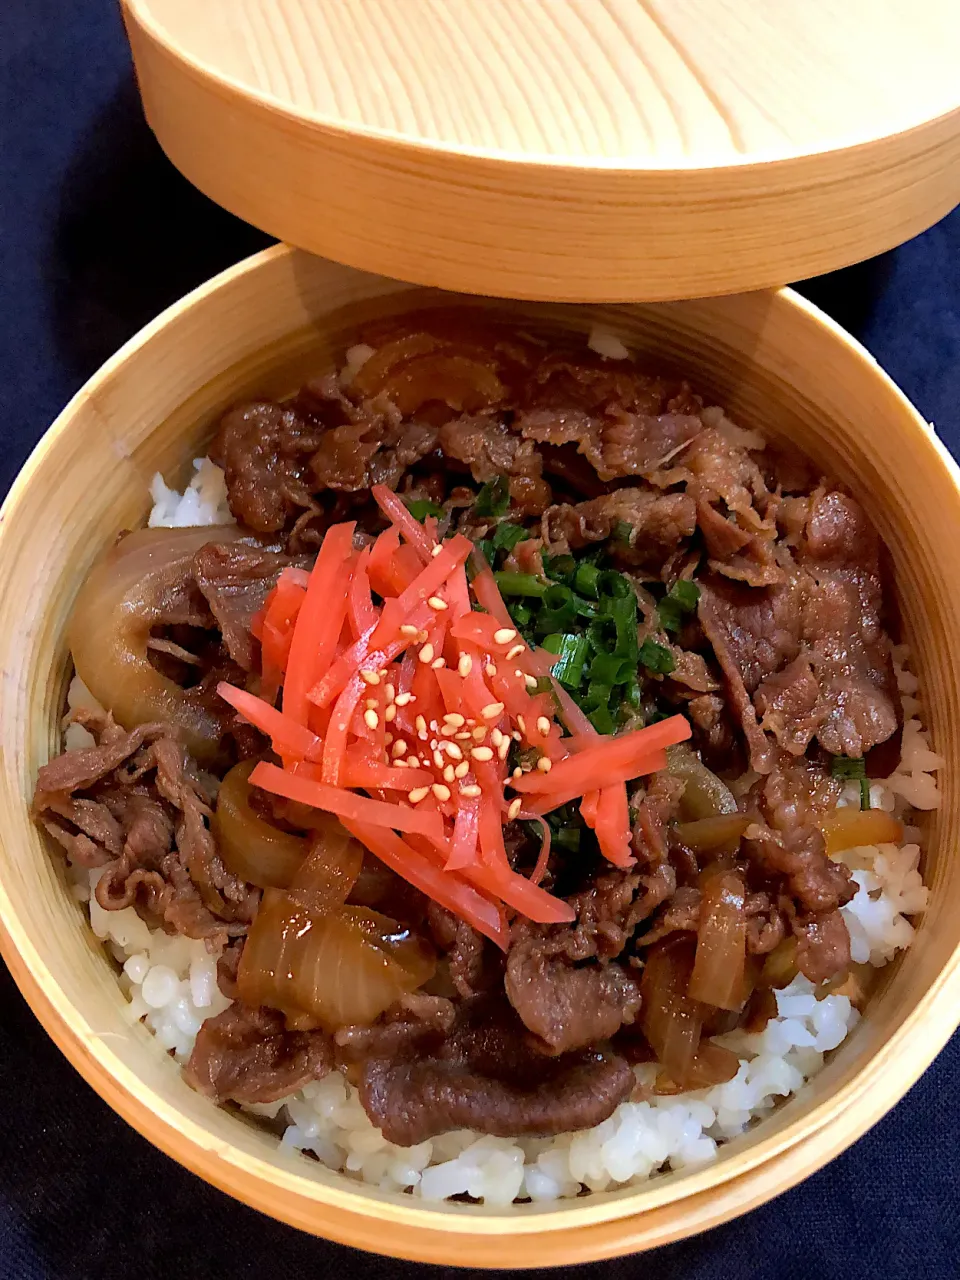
x: 485, y: 1076
x: 809, y: 658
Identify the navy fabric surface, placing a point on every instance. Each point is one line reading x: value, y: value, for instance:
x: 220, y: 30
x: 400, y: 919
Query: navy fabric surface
x: 97, y: 234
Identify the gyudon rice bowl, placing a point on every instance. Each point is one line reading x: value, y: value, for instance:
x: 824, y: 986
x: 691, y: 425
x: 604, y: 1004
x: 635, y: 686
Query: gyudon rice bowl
x: 497, y: 770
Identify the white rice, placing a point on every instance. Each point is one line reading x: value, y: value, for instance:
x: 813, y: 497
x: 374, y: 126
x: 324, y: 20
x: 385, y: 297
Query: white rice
x: 203, y: 502
x: 607, y: 344
x: 171, y: 985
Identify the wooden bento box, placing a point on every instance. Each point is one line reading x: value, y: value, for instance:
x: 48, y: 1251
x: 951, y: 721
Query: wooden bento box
x: 776, y: 363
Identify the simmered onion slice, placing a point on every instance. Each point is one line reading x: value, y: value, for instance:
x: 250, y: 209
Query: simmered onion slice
x: 343, y: 969
x: 141, y: 582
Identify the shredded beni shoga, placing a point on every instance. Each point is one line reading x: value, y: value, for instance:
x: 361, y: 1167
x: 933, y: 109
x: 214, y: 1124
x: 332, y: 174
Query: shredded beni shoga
x: 425, y: 722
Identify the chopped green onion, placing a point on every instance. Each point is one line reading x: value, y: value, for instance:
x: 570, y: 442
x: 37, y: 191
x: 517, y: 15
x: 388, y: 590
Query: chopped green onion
x: 615, y: 584
x: 506, y: 536
x: 567, y: 838
x: 849, y: 767
x: 487, y: 550
x: 656, y: 658
x: 519, y: 612
x: 520, y: 584
x: 633, y: 695
x: 865, y: 793
x: 681, y: 599
x: 686, y: 593
x: 622, y: 531
x: 420, y: 508
x: 559, y: 567
x: 612, y: 668
x: 586, y: 580
x: 493, y: 498
x: 623, y: 611
x: 572, y: 651
x: 602, y: 720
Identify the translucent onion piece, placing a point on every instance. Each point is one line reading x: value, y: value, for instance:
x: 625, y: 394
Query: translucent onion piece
x: 850, y: 828
x: 712, y: 1064
x: 780, y: 966
x: 705, y: 795
x: 327, y: 877
x: 342, y: 969
x: 671, y: 1021
x: 251, y: 847
x: 718, y: 969
x: 713, y: 835
x: 142, y: 581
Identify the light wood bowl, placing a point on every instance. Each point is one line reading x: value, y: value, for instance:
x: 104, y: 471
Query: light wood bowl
x: 574, y: 150
x: 777, y: 364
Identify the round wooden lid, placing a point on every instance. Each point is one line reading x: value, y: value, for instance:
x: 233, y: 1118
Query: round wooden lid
x: 582, y: 150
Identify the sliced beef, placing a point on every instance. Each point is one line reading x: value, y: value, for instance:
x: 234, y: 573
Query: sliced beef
x: 464, y: 950
x: 809, y: 658
x: 263, y: 449
x: 246, y: 1055
x: 568, y: 1007
x: 235, y: 580
x: 618, y: 444
x: 485, y: 1077
x: 659, y: 523
x: 815, y: 882
x: 823, y: 950
x: 136, y: 805
x: 489, y: 447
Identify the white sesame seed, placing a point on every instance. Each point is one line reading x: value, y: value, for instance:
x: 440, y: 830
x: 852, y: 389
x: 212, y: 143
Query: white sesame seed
x: 463, y: 737
x: 516, y: 736
x: 544, y: 764
x: 421, y: 726
x: 480, y: 732
x: 482, y: 753
x: 390, y: 713
x: 441, y: 791
x: 461, y: 770
x: 455, y: 718
x: 401, y: 764
x: 369, y: 677
x: 465, y: 665
x: 438, y: 759
x: 517, y: 773
x: 436, y: 550
x: 371, y: 719
x: 388, y: 738
x: 503, y: 748
x: 543, y: 725
x: 390, y: 692
x: 504, y: 635
x: 418, y: 794
x: 448, y: 774
x: 522, y: 723
x: 471, y: 791
x: 531, y: 681
x: 491, y: 669
x: 453, y: 751
x: 515, y: 652
x: 403, y: 698
x: 448, y: 730
x: 492, y: 711
x: 408, y: 630
x: 399, y: 748
x: 496, y: 737
x: 514, y: 809
x: 426, y: 653
x: 436, y: 603
x: 438, y: 663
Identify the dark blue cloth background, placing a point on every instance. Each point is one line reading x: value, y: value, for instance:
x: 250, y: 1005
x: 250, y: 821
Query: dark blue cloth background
x: 97, y: 234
